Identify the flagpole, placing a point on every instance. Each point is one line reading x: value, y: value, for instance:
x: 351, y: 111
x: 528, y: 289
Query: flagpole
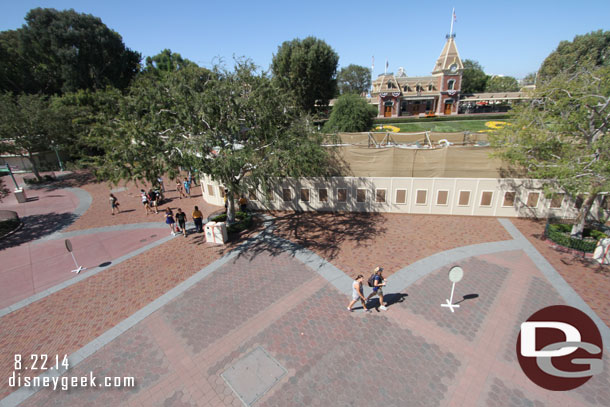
x: 452, y: 18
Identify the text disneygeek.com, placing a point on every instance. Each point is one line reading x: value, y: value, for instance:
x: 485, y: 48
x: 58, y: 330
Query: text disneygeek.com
x: 70, y: 382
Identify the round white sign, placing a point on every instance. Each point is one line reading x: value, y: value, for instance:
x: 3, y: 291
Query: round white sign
x: 455, y: 274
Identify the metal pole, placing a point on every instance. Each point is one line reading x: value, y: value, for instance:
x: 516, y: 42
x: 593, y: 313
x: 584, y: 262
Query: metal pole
x: 8, y: 167
x: 61, y: 167
x: 451, y: 299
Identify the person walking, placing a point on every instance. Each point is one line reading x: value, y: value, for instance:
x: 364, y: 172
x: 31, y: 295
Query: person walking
x: 243, y: 204
x: 152, y: 200
x: 181, y: 218
x: 160, y: 182
x: 179, y: 189
x: 358, y: 294
x: 145, y: 201
x: 198, y: 219
x: 114, y: 203
x: 169, y: 220
x: 187, y: 187
x: 377, y: 281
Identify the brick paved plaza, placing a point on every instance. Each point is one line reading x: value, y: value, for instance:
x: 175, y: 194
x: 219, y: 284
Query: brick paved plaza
x: 191, y: 321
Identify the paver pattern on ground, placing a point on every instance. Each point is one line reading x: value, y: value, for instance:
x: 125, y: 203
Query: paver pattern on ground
x: 416, y: 353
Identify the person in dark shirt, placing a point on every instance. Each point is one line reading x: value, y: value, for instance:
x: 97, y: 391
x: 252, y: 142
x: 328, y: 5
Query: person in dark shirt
x: 181, y: 218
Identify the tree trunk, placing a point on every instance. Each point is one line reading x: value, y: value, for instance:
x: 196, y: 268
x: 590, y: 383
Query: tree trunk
x: 579, y: 223
x: 34, y: 167
x: 230, y: 208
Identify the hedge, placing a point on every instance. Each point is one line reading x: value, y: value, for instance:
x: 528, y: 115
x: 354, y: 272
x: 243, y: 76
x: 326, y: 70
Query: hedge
x: 245, y: 221
x: 559, y: 233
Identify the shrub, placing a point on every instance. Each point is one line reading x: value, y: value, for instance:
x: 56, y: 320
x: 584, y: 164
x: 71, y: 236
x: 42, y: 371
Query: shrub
x: 350, y: 113
x: 559, y: 233
x: 244, y: 221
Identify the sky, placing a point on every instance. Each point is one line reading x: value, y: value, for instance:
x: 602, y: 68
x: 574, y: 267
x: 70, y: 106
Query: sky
x: 505, y: 37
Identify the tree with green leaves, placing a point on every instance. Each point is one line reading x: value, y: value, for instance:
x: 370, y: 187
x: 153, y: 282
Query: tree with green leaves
x: 354, y: 79
x: 588, y: 50
x: 32, y: 124
x: 502, y: 84
x: 473, y: 77
x: 306, y: 69
x: 63, y: 51
x: 561, y: 136
x: 351, y: 113
x: 236, y: 126
x: 166, y: 61
x: 530, y: 79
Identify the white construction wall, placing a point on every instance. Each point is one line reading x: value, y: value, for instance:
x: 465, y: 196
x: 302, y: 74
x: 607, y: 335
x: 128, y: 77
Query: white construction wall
x: 437, y: 196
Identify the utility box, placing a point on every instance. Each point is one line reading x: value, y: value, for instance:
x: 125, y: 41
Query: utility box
x: 216, y: 232
x: 602, y: 251
x: 20, y: 195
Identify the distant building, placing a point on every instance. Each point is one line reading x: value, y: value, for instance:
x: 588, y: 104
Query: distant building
x: 437, y: 94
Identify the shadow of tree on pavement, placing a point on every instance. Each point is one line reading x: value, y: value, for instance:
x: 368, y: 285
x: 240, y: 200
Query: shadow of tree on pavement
x: 322, y: 233
x: 37, y: 226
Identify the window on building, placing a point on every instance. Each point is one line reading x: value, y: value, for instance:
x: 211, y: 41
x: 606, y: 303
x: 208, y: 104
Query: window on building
x: 390, y: 85
x: 286, y: 194
x: 380, y: 195
x: 210, y: 190
x: 418, y: 88
x: 401, y: 196
x: 428, y: 105
x: 403, y: 106
x: 342, y: 195
x: 421, y: 197
x: 360, y: 195
x: 509, y: 198
x: 322, y: 195
x: 430, y: 87
x: 304, y: 195
x: 406, y: 88
x: 486, y: 198
x: 450, y: 84
x: 557, y: 200
x: 464, y: 198
x: 252, y: 194
x: 442, y: 197
x: 221, y: 192
x: 579, y: 201
x: 532, y: 199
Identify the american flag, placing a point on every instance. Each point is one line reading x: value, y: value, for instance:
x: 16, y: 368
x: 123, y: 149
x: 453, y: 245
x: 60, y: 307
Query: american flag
x: 454, y: 17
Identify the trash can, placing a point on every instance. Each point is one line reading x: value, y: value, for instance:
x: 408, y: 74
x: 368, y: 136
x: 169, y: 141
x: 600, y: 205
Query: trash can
x: 216, y: 232
x: 20, y: 195
x: 602, y: 251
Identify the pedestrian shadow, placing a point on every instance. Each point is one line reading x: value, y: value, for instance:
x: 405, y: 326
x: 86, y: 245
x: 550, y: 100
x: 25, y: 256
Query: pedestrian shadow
x: 467, y: 297
x: 394, y: 298
x: 37, y: 226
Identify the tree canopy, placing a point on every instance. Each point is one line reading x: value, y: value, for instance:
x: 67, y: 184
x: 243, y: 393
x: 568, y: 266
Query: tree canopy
x: 351, y: 113
x: 307, y: 69
x: 561, y: 136
x: 235, y: 126
x: 354, y: 79
x: 502, y: 84
x: 167, y: 61
x: 63, y: 51
x: 588, y: 50
x: 474, y: 78
x: 30, y: 124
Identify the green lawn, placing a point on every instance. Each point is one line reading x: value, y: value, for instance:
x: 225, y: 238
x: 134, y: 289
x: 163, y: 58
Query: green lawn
x: 441, y: 127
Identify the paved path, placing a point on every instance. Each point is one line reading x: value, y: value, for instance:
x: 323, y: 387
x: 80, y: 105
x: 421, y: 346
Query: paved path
x: 285, y: 304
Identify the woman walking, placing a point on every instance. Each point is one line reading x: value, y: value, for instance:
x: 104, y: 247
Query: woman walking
x: 357, y: 294
x: 169, y: 220
x: 198, y: 219
x: 179, y: 189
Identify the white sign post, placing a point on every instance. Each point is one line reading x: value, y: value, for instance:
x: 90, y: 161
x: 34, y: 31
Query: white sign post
x: 78, y: 268
x: 455, y: 274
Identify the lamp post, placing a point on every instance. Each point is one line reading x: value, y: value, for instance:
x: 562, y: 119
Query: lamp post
x: 8, y: 167
x: 61, y: 166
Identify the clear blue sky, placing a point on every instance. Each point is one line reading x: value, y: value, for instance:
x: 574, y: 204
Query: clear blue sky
x: 506, y: 37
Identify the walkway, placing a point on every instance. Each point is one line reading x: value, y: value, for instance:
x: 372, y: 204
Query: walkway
x: 274, y: 302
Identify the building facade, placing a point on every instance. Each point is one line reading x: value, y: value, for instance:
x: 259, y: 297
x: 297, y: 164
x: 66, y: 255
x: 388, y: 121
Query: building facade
x: 437, y: 94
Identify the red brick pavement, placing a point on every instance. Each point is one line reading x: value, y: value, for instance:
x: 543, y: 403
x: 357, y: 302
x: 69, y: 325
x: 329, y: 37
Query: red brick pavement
x: 585, y: 277
x: 68, y: 319
x: 357, y: 242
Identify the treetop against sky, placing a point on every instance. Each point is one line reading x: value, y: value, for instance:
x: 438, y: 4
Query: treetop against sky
x: 508, y: 38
